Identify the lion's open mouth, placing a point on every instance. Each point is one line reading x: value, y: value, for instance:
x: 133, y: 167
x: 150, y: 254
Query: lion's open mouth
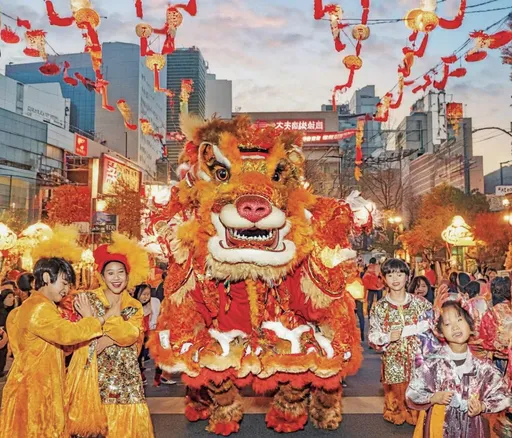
x: 252, y: 238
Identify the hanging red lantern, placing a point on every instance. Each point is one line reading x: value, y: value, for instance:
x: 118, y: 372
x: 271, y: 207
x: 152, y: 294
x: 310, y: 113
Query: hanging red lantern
x: 126, y: 112
x: 449, y: 59
x: 8, y: 36
x: 49, y: 69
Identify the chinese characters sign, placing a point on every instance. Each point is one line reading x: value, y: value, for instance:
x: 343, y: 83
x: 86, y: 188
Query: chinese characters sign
x: 114, y: 172
x: 310, y: 125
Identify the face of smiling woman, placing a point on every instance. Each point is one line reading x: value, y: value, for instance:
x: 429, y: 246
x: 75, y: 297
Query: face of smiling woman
x: 115, y: 277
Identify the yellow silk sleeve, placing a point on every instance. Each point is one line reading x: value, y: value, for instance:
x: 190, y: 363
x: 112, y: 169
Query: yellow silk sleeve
x: 124, y: 333
x: 47, y: 323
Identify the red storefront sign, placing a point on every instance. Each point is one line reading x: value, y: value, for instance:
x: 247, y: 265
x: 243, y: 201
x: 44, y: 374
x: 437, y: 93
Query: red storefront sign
x: 81, y: 145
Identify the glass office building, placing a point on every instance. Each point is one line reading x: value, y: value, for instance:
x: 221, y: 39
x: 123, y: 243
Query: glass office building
x: 82, y: 100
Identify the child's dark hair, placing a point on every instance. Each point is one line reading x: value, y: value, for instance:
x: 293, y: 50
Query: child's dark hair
x: 395, y: 265
x: 460, y: 310
x: 25, y: 282
x: 500, y: 289
x: 140, y: 289
x: 472, y: 289
x: 416, y: 282
x: 53, y: 267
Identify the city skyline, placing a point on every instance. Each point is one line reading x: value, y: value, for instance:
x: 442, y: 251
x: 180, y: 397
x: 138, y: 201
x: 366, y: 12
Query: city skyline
x: 280, y: 59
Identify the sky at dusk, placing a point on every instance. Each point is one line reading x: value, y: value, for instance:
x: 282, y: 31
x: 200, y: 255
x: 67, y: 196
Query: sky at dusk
x: 280, y: 59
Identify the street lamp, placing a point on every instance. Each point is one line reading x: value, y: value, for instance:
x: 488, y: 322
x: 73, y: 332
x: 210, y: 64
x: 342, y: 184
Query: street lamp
x: 395, y: 220
x: 508, y: 218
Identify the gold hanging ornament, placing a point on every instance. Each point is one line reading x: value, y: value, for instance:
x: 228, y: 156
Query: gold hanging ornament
x: 87, y: 16
x: 144, y: 30
x: 361, y: 32
x: 352, y: 62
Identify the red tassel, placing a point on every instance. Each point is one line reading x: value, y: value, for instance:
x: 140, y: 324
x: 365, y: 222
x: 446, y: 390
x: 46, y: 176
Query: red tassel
x: 93, y: 36
x: 138, y: 8
x: 23, y: 23
x: 104, y: 96
x: 398, y: 102
x: 476, y: 56
x: 157, y: 78
x: 441, y: 85
x: 318, y: 10
x: 143, y: 46
x: 457, y: 21
x: 342, y: 87
x: 54, y: 18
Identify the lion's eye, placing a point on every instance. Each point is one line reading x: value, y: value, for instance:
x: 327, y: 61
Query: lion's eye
x: 277, y: 176
x: 222, y: 174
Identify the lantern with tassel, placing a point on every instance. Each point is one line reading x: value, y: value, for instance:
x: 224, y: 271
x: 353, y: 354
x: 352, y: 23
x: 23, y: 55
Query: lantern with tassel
x: 36, y: 44
x: 8, y: 36
x: 144, y: 31
x: 361, y: 32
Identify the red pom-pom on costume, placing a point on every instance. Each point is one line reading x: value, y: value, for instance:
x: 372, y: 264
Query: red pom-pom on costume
x: 103, y: 257
x: 194, y: 415
x: 226, y: 429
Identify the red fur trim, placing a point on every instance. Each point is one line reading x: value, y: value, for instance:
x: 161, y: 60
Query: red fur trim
x: 226, y: 429
x: 285, y: 422
x: 196, y: 414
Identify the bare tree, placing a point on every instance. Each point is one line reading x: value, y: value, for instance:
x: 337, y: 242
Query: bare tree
x: 382, y: 182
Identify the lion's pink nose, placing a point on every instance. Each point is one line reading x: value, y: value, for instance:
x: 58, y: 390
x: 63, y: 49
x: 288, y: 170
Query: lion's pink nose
x: 253, y: 208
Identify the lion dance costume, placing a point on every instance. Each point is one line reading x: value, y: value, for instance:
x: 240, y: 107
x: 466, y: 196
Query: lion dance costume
x: 256, y: 288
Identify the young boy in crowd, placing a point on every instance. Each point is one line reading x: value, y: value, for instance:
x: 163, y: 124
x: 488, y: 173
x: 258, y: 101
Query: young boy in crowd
x: 395, y: 323
x: 453, y: 387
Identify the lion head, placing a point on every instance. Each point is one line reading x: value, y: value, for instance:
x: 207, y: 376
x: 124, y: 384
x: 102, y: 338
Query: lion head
x: 242, y: 207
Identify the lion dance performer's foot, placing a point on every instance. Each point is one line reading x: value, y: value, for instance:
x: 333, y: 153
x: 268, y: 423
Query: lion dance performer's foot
x: 289, y: 411
x: 226, y: 410
x: 325, y: 409
x: 197, y: 404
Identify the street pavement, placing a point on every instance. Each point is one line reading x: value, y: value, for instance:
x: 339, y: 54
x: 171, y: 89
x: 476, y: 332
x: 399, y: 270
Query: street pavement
x: 362, y: 407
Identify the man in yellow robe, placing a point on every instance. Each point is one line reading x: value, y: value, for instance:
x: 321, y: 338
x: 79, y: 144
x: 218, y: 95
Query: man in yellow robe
x: 33, y: 397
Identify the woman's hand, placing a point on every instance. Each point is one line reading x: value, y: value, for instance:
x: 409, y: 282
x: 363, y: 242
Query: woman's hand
x: 83, y: 306
x: 103, y: 343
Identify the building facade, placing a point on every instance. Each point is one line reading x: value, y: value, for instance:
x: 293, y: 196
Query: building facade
x: 129, y: 79
x: 219, y: 97
x: 185, y: 63
x: 34, y: 153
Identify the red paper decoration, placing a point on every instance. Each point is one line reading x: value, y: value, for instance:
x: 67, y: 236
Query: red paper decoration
x: 126, y: 112
x: 457, y: 21
x: 67, y: 79
x: 475, y: 56
x: 454, y: 115
x: 49, y: 69
x: 9, y: 36
x: 55, y: 19
x: 173, y: 19
x: 36, y: 44
x: 23, y: 23
x: 138, y: 8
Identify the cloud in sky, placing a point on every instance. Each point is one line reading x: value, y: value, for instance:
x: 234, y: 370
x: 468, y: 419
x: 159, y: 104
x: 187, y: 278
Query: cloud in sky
x: 280, y: 58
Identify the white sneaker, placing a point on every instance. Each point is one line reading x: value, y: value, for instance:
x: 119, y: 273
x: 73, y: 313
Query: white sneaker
x: 167, y: 382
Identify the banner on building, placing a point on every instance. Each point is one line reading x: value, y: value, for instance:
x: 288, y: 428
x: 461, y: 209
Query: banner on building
x: 114, y: 172
x: 326, y: 137
x: 503, y: 190
x: 104, y: 222
x: 81, y: 145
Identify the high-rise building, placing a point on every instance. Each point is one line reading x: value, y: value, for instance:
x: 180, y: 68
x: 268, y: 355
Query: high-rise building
x: 364, y: 101
x: 129, y: 79
x: 219, y: 97
x: 186, y: 63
